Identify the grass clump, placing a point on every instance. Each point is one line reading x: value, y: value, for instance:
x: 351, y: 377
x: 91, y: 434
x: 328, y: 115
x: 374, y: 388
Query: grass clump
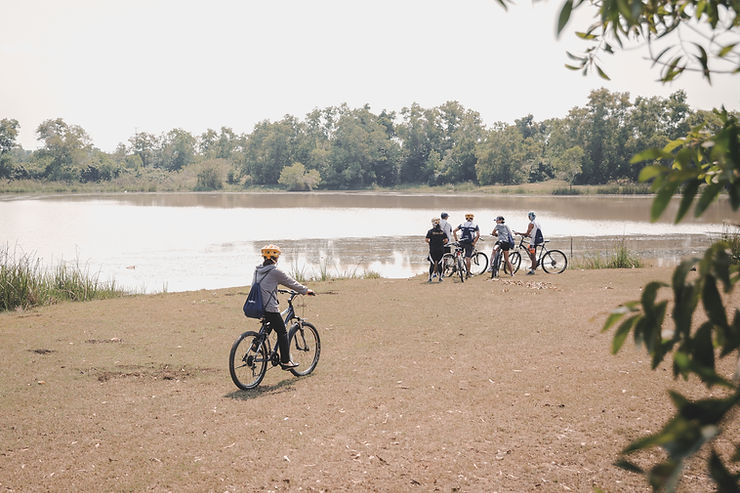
x: 25, y: 284
x: 620, y: 258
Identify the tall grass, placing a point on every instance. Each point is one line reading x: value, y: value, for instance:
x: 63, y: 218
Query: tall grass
x: 620, y: 258
x: 731, y: 235
x: 325, y: 273
x: 25, y: 284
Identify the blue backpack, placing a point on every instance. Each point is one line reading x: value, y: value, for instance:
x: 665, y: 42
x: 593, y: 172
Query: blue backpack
x: 254, y: 307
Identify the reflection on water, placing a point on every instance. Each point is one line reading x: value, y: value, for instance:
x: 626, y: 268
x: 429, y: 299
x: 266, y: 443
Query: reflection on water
x: 179, y: 242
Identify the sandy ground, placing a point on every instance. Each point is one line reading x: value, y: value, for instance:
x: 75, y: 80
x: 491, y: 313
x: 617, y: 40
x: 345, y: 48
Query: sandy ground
x: 494, y: 386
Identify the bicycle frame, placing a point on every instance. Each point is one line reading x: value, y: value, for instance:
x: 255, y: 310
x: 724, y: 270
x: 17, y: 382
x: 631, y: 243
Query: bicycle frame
x: 288, y: 315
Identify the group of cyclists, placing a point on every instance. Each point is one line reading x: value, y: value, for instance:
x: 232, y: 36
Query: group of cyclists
x: 442, y: 235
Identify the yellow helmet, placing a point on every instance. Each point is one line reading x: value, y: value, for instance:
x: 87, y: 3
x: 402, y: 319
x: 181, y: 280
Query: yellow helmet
x: 271, y: 251
x: 469, y: 216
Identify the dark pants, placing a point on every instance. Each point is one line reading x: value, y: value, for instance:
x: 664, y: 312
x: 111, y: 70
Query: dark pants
x: 435, y: 257
x: 278, y: 325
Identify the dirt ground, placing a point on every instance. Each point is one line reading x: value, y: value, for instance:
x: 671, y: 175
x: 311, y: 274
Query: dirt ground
x: 487, y: 386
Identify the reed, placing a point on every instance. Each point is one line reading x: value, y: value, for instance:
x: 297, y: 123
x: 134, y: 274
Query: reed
x: 620, y: 258
x: 24, y: 283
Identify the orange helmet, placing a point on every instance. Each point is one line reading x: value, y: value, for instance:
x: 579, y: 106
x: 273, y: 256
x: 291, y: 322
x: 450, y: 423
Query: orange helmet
x: 271, y: 251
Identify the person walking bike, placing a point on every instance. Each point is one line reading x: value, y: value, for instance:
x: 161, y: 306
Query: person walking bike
x: 436, y: 239
x: 447, y: 228
x: 269, y: 276
x: 504, y: 242
x: 534, y: 233
x: 469, y: 237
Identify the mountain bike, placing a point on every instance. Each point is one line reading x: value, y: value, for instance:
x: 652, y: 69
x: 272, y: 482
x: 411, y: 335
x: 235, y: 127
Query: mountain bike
x: 552, y: 261
x: 253, y: 353
x: 478, y: 261
x: 497, y: 261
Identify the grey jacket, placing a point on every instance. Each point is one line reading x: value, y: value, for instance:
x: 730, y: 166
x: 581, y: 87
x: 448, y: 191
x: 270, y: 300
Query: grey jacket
x: 269, y: 276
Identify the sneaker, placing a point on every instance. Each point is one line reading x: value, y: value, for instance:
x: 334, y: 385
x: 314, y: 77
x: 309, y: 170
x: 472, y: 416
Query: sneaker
x: 288, y: 365
x: 434, y: 276
x: 530, y: 273
x: 440, y: 279
x: 429, y: 280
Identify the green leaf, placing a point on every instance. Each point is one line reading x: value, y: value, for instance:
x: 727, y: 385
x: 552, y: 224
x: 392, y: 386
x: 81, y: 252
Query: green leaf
x: 709, y: 194
x: 726, y: 49
x: 629, y: 466
x: 648, y: 155
x: 602, y: 74
x: 622, y: 332
x: 689, y: 192
x: 614, y: 316
x: 564, y: 15
x: 713, y: 303
x: 726, y: 481
x: 661, y: 200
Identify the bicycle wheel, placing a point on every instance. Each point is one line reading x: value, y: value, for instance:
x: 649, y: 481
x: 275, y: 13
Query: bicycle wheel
x: 554, y: 262
x: 248, y: 361
x: 478, y: 263
x: 448, y: 264
x: 305, y: 348
x: 516, y: 260
x: 461, y: 270
x: 496, y: 265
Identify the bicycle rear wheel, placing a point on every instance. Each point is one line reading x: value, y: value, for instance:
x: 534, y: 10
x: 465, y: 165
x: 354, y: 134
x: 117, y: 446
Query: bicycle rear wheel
x: 554, y: 262
x: 478, y: 263
x: 448, y: 264
x: 248, y: 360
x: 461, y: 270
x: 305, y: 348
x: 516, y: 260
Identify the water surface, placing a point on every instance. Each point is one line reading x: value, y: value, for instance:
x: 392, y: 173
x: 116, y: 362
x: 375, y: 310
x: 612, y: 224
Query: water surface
x: 184, y: 241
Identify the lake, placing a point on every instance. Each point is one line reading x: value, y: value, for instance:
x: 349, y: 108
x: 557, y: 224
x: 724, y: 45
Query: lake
x: 152, y: 242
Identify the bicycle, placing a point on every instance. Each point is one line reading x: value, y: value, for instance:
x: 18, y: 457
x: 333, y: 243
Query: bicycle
x: 253, y: 351
x: 552, y: 261
x: 478, y: 262
x: 496, y: 263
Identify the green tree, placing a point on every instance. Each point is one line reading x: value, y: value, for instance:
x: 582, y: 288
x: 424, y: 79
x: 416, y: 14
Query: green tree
x: 66, y: 149
x: 271, y: 147
x: 502, y: 157
x: 178, y: 149
x: 145, y: 146
x: 361, y: 153
x: 296, y: 177
x: 8, y: 134
x: 698, y: 166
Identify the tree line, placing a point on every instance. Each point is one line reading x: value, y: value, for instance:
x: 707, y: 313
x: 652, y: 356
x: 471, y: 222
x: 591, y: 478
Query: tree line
x: 349, y: 148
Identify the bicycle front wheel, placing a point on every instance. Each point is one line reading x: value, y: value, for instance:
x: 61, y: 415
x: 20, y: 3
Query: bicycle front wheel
x: 478, y: 263
x: 496, y: 264
x: 248, y: 360
x: 305, y: 348
x: 516, y: 260
x: 554, y: 262
x: 448, y: 264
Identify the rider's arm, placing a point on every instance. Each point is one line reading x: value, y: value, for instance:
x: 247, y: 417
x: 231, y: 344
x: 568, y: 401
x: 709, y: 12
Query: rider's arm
x: 454, y: 232
x: 477, y: 236
x: 289, y: 282
x: 529, y: 230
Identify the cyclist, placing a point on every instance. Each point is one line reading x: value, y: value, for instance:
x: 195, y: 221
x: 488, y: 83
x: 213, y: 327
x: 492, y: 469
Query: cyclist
x: 534, y: 233
x: 447, y: 228
x: 470, y: 235
x: 503, y: 233
x: 436, y: 239
x: 269, y: 277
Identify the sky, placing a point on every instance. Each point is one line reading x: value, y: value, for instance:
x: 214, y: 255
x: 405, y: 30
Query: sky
x: 119, y: 67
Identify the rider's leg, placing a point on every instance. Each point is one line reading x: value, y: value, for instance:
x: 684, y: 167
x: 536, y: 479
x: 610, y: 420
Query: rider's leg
x: 508, y: 263
x: 533, y: 261
x: 277, y: 324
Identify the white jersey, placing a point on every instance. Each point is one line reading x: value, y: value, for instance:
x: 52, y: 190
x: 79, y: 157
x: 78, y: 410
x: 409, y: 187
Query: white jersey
x: 447, y: 228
